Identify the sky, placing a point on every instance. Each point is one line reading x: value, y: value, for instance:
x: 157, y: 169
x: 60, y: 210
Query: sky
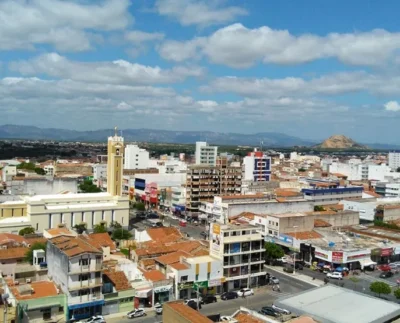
x: 307, y: 68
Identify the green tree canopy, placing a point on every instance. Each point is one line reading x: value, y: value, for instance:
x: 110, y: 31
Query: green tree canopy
x: 302, y: 170
x: 39, y: 171
x: 380, y: 288
x: 27, y: 230
x: 88, y: 187
x: 80, y: 228
x: 273, y: 251
x: 121, y: 234
x: 139, y: 206
x: 100, y: 228
x: 319, y: 208
x: 27, y: 166
x: 115, y: 225
x: 35, y: 246
x: 396, y: 293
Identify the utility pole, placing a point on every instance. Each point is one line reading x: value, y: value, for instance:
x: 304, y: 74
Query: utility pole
x: 248, y: 266
x: 294, y: 258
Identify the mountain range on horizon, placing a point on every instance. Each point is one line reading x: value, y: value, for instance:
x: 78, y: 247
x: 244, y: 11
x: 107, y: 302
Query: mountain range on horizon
x: 268, y: 139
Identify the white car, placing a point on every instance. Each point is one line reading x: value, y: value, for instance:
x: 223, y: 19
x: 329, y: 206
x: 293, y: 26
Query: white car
x: 139, y: 312
x: 274, y: 280
x: 225, y: 318
x: 284, y: 260
x: 245, y: 292
x: 281, y: 310
x: 188, y: 300
x: 335, y: 275
x: 158, y: 308
x: 96, y: 319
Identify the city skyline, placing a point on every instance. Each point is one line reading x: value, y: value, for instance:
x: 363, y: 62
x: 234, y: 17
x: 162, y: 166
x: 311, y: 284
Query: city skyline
x: 304, y: 69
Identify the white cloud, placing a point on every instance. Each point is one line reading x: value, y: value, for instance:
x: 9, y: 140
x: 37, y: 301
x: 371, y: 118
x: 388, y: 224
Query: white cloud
x: 138, y: 36
x: 68, y: 26
x: 116, y: 72
x: 198, y: 12
x: 240, y: 47
x: 392, y: 106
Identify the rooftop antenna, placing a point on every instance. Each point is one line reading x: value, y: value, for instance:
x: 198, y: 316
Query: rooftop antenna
x: 115, y: 131
x: 261, y: 145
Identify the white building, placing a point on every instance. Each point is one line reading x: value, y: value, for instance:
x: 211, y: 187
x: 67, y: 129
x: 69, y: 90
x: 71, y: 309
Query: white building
x: 136, y: 158
x: 99, y: 172
x: 241, y: 249
x: 205, y: 154
x: 8, y: 172
x: 388, y: 189
x: 394, y: 160
x: 49, y: 170
x: 357, y: 171
x: 178, y: 198
x: 76, y: 267
x: 257, y: 167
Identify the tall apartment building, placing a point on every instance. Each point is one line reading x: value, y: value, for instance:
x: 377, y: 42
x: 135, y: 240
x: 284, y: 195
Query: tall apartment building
x: 205, y: 154
x: 205, y: 182
x: 241, y: 248
x: 257, y: 167
x: 136, y: 158
x: 76, y: 266
x: 394, y: 159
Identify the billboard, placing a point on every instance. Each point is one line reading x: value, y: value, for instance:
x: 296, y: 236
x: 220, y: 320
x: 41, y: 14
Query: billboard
x: 216, y: 237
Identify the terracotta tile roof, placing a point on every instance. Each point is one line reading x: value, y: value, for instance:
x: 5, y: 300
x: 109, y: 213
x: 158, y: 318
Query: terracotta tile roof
x: 7, y: 238
x: 280, y: 199
x: 172, y: 258
x: 154, y: 275
x: 73, y: 246
x: 248, y: 215
x: 318, y: 223
x: 280, y: 192
x: 246, y: 318
x: 306, y: 235
x: 242, y: 196
x: 99, y: 240
x: 147, y: 263
x: 179, y: 266
x: 59, y: 231
x: 164, y: 235
x: 32, y: 240
x: 40, y: 288
x: 13, y: 253
x: 187, y: 313
x: 303, y: 319
x: 201, y: 252
x: 119, y: 280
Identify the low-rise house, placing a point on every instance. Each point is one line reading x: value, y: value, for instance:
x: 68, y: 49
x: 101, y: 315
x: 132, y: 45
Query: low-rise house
x: 9, y: 258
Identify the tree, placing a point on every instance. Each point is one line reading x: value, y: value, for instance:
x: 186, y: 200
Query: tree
x: 40, y: 171
x: 121, y: 234
x: 27, y: 230
x: 27, y: 166
x: 302, y: 170
x: 35, y: 246
x: 100, y: 228
x: 380, y: 288
x: 115, y: 225
x: 396, y: 293
x: 139, y: 206
x: 88, y: 187
x: 273, y: 251
x: 80, y: 228
x: 319, y: 208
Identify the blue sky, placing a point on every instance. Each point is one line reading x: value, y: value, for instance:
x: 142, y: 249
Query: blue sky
x: 305, y: 68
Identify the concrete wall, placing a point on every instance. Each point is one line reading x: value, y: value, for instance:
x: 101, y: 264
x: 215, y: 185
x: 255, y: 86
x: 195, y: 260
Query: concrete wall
x: 391, y: 214
x: 287, y: 224
x: 340, y: 219
x: 366, y: 210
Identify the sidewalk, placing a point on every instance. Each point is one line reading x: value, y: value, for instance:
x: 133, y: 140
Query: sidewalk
x: 304, y: 278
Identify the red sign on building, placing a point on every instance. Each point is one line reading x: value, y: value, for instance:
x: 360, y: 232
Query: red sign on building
x: 386, y: 252
x: 337, y: 257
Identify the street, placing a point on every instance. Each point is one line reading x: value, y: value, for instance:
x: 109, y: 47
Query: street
x: 263, y: 296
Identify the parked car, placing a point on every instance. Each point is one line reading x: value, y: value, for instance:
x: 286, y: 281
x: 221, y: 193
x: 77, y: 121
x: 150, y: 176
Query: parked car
x: 288, y: 269
x: 96, y: 319
x: 280, y: 310
x: 268, y: 311
x: 139, y: 312
x: 386, y: 274
x: 384, y: 268
x: 204, y: 235
x: 141, y: 215
x: 188, y: 300
x: 229, y: 295
x: 274, y: 280
x: 207, y: 299
x: 152, y: 216
x: 335, y: 275
x: 283, y: 260
x: 298, y: 266
x: 193, y: 304
x: 245, y: 292
x: 225, y: 318
x: 158, y: 308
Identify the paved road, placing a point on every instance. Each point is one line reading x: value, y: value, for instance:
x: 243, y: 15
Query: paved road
x: 263, y: 297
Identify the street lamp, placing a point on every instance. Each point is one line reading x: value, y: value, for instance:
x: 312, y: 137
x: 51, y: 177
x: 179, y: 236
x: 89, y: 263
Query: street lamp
x: 294, y: 258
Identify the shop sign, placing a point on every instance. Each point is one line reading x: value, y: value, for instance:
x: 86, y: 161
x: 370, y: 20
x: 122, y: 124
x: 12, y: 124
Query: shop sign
x: 198, y: 285
x: 321, y: 255
x: 185, y: 285
x: 162, y: 289
x: 357, y: 257
x: 142, y: 293
x: 386, y: 252
x: 337, y: 256
x: 214, y: 282
x: 285, y: 239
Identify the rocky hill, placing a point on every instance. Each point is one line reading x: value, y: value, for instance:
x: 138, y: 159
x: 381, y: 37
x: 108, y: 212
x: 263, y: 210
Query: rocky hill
x: 340, y: 142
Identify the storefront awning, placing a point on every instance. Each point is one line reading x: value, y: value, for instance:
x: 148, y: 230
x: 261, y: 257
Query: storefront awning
x: 366, y: 263
x: 144, y: 293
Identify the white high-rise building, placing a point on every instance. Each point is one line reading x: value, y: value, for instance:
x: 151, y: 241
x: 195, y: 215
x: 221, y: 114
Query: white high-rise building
x: 257, y: 167
x: 205, y: 154
x: 394, y: 159
x: 136, y: 158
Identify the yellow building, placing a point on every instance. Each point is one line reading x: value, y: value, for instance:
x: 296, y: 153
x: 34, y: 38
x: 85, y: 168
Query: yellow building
x: 48, y: 211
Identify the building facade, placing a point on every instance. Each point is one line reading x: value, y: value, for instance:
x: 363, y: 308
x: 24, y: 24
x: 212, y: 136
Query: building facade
x: 241, y: 250
x: 136, y: 158
x: 114, y: 164
x: 205, y: 154
x: 394, y: 160
x: 331, y: 193
x: 257, y: 167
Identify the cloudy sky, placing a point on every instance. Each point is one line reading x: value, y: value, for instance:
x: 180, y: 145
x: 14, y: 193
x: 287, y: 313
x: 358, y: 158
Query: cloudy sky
x: 305, y: 68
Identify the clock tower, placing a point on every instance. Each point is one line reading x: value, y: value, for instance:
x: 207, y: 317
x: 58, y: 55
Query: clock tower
x: 115, y: 162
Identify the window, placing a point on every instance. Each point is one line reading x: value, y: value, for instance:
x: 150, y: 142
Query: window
x: 197, y: 277
x: 270, y: 231
x: 84, y: 262
x: 208, y: 276
x: 226, y: 234
x: 184, y: 279
x: 276, y: 223
x: 83, y: 277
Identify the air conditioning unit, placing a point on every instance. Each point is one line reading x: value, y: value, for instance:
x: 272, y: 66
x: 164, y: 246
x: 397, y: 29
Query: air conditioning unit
x: 28, y: 280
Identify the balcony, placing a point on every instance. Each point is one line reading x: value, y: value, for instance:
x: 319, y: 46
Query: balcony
x: 85, y: 284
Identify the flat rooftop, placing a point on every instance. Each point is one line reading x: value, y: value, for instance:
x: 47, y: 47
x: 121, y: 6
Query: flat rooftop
x: 332, y: 304
x: 80, y: 196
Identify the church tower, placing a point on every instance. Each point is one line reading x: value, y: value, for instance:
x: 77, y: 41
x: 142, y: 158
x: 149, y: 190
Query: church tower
x: 115, y: 162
